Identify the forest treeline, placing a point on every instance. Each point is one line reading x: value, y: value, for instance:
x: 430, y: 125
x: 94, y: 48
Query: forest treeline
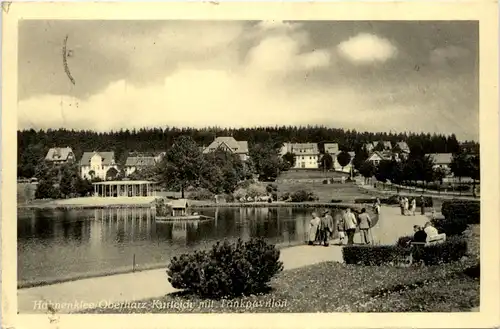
x: 33, y: 145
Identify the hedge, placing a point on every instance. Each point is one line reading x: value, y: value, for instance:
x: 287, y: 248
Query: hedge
x: 374, y: 255
x: 466, y: 209
x: 227, y: 270
x: 453, y: 249
x: 450, y: 225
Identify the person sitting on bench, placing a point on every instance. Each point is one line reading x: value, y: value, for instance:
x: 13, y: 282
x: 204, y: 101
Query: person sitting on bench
x: 420, y: 235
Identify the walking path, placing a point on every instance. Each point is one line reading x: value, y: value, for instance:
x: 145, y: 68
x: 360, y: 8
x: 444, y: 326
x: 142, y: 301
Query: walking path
x: 369, y: 187
x: 88, y: 293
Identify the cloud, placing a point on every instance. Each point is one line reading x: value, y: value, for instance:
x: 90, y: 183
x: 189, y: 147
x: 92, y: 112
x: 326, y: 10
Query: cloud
x: 448, y: 55
x: 367, y: 48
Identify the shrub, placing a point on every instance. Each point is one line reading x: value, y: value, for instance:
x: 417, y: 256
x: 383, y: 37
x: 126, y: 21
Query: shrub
x: 285, y: 196
x: 256, y: 190
x: 404, y: 241
x: 303, y: 196
x: 453, y: 249
x: 450, y: 226
x: 374, y: 255
x: 227, y: 270
x: 473, y: 271
x: 469, y: 210
x: 201, y: 194
x: 362, y: 200
x: 325, y: 181
x: 336, y: 201
x: 229, y: 198
x: 274, y: 196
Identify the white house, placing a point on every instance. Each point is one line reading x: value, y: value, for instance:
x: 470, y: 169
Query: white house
x: 229, y: 144
x: 97, y: 164
x: 60, y: 155
x: 306, y: 154
x: 377, y: 156
x: 441, y: 160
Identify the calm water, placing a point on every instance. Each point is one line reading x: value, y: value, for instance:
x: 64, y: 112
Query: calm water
x: 55, y: 244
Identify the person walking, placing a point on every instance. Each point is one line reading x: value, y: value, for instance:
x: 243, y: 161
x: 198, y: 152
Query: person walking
x: 422, y: 205
x: 364, y: 225
x: 402, y: 205
x: 406, y: 204
x: 326, y: 228
x: 341, y: 227
x: 413, y: 207
x: 314, y: 226
x: 350, y: 224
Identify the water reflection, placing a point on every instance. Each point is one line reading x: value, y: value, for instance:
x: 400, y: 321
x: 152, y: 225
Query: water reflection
x: 54, y: 244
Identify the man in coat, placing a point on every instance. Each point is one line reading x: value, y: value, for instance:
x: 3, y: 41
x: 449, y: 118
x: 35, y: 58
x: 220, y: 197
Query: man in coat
x: 350, y: 224
x: 364, y: 225
x: 326, y: 227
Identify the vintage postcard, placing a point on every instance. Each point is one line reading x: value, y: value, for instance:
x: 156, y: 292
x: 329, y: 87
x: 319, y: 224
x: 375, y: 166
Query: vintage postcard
x: 251, y: 165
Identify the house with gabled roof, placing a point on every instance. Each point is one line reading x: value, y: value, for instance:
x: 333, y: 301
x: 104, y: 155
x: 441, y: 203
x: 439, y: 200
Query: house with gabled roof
x: 97, y: 164
x: 60, y: 155
x: 378, y: 156
x: 332, y: 148
x: 306, y: 154
x: 403, y: 146
x: 441, y: 160
x: 229, y: 144
x: 139, y: 161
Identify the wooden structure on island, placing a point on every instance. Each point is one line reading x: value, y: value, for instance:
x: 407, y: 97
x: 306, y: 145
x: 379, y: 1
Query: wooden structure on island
x: 126, y: 188
x: 176, y: 210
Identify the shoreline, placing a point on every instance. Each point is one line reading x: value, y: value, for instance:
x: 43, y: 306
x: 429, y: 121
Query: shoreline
x: 105, y: 273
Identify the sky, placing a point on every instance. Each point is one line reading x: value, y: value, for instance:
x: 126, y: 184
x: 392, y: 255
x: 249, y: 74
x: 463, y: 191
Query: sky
x: 393, y: 76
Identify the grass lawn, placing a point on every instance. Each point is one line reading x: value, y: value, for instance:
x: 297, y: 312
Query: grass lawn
x: 326, y: 192
x: 336, y: 287
x: 311, y: 174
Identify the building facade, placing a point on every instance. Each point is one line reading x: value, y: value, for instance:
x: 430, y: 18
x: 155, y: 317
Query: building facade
x: 60, y: 155
x: 306, y: 154
x: 97, y: 164
x: 229, y: 144
x: 139, y: 161
x: 441, y: 160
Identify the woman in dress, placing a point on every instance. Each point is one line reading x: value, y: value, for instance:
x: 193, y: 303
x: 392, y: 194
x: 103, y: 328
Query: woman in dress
x: 413, y: 206
x: 314, y: 228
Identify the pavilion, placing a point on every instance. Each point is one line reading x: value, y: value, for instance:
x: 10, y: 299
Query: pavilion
x: 126, y: 188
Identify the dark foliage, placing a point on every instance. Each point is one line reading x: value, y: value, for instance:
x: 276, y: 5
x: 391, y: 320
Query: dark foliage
x: 469, y: 210
x: 404, y: 241
x: 303, y: 196
x: 374, y: 255
x: 453, y: 249
x: 227, y: 270
x: 450, y: 225
x: 473, y: 271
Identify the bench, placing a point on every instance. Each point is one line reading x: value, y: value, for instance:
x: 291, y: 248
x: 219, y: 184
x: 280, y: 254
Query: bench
x: 432, y: 240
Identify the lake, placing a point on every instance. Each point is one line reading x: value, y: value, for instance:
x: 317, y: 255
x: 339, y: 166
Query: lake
x: 55, y: 244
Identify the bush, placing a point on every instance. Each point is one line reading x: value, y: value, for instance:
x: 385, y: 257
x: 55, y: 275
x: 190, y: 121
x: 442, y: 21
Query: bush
x: 469, y: 210
x: 374, y: 255
x: 453, y: 249
x: 336, y: 201
x: 256, y: 190
x: 303, y: 196
x: 473, y: 271
x: 201, y: 194
x: 325, y: 181
x: 227, y: 270
x: 285, y: 196
x: 450, y: 226
x: 274, y: 196
x: 229, y: 198
x: 404, y: 241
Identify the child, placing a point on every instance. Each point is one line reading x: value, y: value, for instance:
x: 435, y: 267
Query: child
x: 341, y: 230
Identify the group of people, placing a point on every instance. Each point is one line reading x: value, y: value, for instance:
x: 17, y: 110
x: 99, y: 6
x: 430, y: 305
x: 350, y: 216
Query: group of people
x: 422, y: 234
x: 322, y: 229
x: 407, y: 206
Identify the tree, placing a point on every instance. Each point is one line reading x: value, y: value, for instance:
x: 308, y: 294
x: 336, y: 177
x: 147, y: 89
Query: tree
x: 360, y: 158
x: 290, y: 159
x: 67, y: 185
x: 379, y: 147
x: 384, y: 171
x: 474, y: 171
x: 222, y: 171
x: 326, y: 162
x: 266, y: 160
x: 367, y: 169
x: 182, y: 165
x: 112, y: 174
x: 439, y: 175
x: 343, y: 158
x: 46, y: 190
x: 460, y: 166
